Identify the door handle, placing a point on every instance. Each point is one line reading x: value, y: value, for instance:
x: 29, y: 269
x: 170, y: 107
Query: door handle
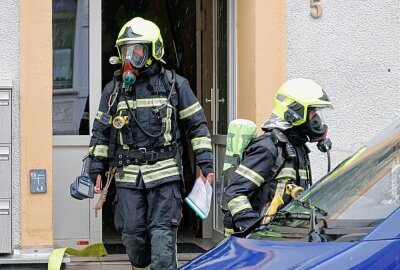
x: 222, y: 100
x: 212, y: 105
x: 206, y: 100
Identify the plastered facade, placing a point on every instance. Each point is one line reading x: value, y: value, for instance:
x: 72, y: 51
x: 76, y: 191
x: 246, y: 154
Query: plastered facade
x: 9, y: 71
x: 261, y: 57
x: 353, y: 52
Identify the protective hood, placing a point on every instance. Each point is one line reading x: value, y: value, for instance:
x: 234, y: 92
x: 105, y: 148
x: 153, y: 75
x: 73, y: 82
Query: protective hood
x: 275, y: 121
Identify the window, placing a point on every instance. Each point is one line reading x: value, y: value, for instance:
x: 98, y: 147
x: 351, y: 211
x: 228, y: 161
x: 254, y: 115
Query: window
x: 70, y: 67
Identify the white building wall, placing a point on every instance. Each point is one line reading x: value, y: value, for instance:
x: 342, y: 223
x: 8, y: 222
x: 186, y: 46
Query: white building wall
x: 353, y: 52
x: 9, y: 71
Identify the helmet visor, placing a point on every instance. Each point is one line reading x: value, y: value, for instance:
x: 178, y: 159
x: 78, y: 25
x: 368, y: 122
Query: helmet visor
x: 136, y: 53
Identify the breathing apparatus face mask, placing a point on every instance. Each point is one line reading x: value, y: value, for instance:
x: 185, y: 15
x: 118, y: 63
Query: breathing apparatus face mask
x: 137, y: 54
x: 316, y: 128
x: 134, y: 57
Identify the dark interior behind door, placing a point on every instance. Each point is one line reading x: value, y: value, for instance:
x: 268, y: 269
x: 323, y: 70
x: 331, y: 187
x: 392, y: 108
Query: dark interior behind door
x: 177, y: 22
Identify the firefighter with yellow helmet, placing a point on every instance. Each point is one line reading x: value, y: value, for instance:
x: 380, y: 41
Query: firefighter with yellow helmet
x: 136, y: 132
x: 275, y: 166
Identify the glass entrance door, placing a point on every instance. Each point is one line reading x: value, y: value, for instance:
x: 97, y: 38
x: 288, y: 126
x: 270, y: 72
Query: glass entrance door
x: 75, y: 80
x: 223, y: 95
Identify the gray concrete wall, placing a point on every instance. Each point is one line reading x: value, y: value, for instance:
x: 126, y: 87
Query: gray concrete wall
x: 9, y: 70
x: 353, y: 52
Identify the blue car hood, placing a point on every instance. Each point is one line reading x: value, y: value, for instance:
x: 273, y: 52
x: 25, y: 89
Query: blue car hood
x: 238, y: 253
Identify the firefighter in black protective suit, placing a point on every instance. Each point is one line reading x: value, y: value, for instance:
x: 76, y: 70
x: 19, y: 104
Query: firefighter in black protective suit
x: 276, y: 165
x: 136, y: 130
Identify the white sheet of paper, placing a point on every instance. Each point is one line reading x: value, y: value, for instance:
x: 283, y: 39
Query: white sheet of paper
x: 199, y: 199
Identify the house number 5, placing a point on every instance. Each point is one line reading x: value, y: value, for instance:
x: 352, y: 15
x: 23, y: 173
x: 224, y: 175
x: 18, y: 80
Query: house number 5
x: 317, y: 9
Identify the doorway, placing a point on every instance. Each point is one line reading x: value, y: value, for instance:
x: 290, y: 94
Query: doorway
x: 177, y: 22
x: 199, y: 44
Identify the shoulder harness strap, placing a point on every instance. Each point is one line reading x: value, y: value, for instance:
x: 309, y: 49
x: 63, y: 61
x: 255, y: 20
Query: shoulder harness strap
x: 285, y: 151
x: 170, y: 84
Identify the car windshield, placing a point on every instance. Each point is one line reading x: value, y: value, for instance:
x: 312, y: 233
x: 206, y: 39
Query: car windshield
x: 356, y: 196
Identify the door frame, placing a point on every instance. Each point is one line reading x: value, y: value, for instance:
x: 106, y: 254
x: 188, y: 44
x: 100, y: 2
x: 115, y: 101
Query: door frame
x: 231, y: 99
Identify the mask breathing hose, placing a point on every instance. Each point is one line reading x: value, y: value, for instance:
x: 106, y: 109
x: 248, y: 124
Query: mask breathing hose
x: 329, y: 160
x: 325, y: 146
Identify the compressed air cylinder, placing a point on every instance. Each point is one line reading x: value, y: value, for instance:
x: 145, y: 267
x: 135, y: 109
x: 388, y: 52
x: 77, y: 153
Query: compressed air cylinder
x: 240, y: 133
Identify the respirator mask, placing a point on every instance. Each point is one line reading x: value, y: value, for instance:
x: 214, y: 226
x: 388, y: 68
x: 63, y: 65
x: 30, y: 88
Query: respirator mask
x: 316, y: 129
x: 134, y: 57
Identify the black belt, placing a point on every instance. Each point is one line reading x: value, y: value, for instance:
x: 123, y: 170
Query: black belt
x: 142, y: 156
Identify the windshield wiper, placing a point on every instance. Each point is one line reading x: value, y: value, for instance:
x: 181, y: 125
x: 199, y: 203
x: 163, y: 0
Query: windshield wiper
x: 307, y: 204
x: 314, y: 234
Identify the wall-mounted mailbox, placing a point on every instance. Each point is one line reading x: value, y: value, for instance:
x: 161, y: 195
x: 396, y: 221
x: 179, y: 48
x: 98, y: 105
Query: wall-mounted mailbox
x: 5, y: 114
x: 5, y: 225
x: 5, y: 166
x: 5, y: 169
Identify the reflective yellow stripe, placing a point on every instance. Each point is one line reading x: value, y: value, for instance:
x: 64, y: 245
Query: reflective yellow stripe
x: 303, y: 174
x: 286, y: 173
x: 150, y: 102
x: 141, y: 103
x: 158, y: 166
x: 128, y: 178
x: 167, y: 133
x: 131, y: 173
x: 100, y: 114
x: 280, y: 188
x: 122, y: 105
x: 131, y: 169
x: 160, y: 174
x: 121, y: 140
x: 201, y: 142
x: 238, y: 204
x: 190, y: 110
x: 85, y: 116
x: 100, y: 150
x: 250, y: 174
x: 126, y: 147
x: 228, y: 232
